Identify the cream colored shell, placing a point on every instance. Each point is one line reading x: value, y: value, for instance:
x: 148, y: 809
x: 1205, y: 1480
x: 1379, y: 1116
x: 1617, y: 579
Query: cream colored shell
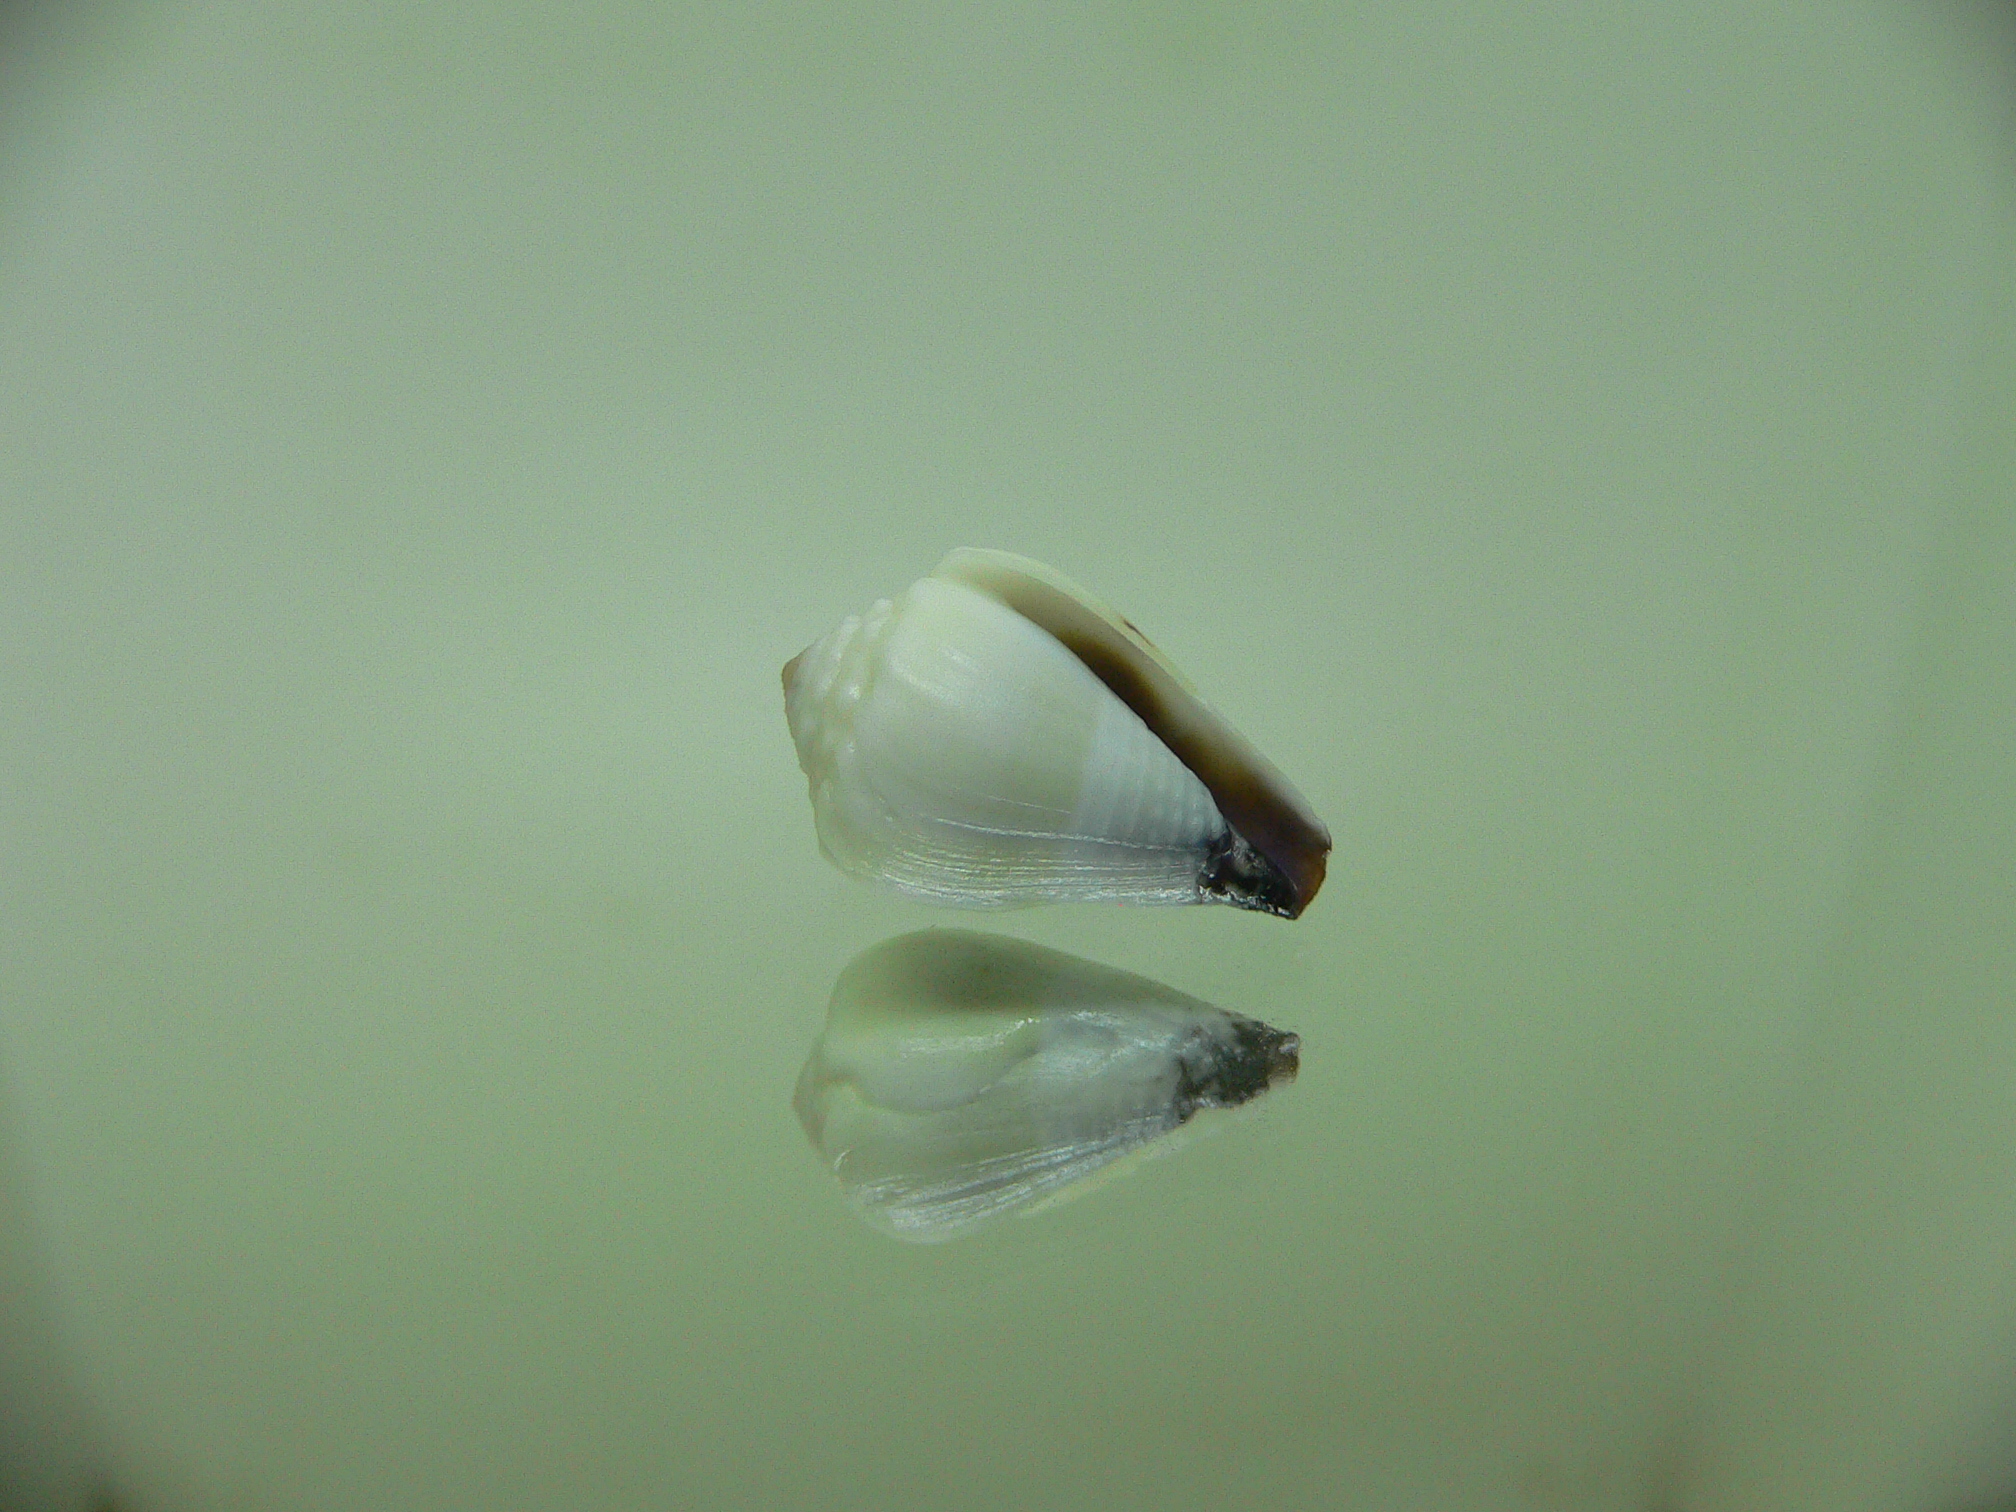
x: 961, y: 1077
x: 994, y: 736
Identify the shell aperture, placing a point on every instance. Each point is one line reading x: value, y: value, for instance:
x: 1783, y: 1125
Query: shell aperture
x: 995, y: 736
x: 962, y: 1077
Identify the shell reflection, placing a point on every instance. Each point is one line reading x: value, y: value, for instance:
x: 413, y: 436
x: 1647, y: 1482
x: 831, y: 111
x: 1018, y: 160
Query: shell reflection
x: 961, y: 1077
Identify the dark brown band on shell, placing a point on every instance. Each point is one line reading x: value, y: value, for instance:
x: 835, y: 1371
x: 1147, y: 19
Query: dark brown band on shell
x: 1295, y: 850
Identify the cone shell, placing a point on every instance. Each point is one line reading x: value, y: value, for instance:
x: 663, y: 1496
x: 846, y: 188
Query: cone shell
x: 962, y: 1077
x: 995, y: 736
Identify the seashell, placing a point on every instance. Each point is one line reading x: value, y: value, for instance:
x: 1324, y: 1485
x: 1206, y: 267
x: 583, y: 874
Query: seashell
x: 994, y: 736
x: 962, y: 1077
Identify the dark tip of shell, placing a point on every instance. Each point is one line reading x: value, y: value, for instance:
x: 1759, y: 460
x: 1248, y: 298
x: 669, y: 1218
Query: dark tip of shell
x: 1286, y: 1059
x: 1223, y: 1072
x: 791, y: 671
x: 1234, y: 872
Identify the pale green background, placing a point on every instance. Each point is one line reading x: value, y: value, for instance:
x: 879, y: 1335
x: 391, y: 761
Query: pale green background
x: 1574, y: 443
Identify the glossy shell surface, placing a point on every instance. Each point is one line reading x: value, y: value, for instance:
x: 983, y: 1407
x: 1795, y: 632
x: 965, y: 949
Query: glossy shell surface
x: 995, y: 736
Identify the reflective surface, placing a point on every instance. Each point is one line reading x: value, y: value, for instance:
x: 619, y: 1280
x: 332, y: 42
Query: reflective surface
x: 1575, y: 452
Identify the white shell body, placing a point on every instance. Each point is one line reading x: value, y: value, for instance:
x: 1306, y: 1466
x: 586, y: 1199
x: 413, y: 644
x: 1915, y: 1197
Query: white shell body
x: 962, y: 1077
x: 958, y: 749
